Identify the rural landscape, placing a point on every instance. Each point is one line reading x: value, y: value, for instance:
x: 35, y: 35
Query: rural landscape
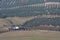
x: 29, y: 19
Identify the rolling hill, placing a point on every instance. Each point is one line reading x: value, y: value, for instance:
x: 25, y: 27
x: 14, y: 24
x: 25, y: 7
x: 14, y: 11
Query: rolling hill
x: 30, y: 13
x: 26, y: 8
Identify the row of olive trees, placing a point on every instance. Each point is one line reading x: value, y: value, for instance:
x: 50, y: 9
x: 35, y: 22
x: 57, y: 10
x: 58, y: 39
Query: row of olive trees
x: 35, y: 23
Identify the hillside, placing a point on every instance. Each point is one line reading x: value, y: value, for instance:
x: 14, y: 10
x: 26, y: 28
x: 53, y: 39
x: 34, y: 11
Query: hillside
x: 30, y: 13
x: 27, y: 8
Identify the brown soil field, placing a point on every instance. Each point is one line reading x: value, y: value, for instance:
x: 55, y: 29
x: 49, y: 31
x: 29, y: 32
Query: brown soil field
x: 31, y: 35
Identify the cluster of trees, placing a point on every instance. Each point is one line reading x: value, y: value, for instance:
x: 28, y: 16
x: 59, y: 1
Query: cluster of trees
x: 54, y: 11
x: 53, y: 0
x: 13, y: 3
x: 42, y: 21
x: 25, y: 12
x: 43, y: 24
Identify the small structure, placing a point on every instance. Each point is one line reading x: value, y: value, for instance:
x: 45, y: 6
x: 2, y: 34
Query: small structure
x: 14, y: 28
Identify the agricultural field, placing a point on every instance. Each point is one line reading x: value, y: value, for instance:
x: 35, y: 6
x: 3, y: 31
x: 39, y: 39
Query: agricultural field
x: 14, y: 21
x: 40, y: 19
x: 10, y: 21
x: 19, y: 20
x: 31, y: 35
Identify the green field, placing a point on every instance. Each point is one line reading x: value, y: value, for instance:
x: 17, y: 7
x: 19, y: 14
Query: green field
x: 31, y: 35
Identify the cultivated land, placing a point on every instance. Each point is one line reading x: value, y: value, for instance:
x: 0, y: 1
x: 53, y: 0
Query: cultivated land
x: 15, y: 20
x: 31, y: 35
x: 21, y: 20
